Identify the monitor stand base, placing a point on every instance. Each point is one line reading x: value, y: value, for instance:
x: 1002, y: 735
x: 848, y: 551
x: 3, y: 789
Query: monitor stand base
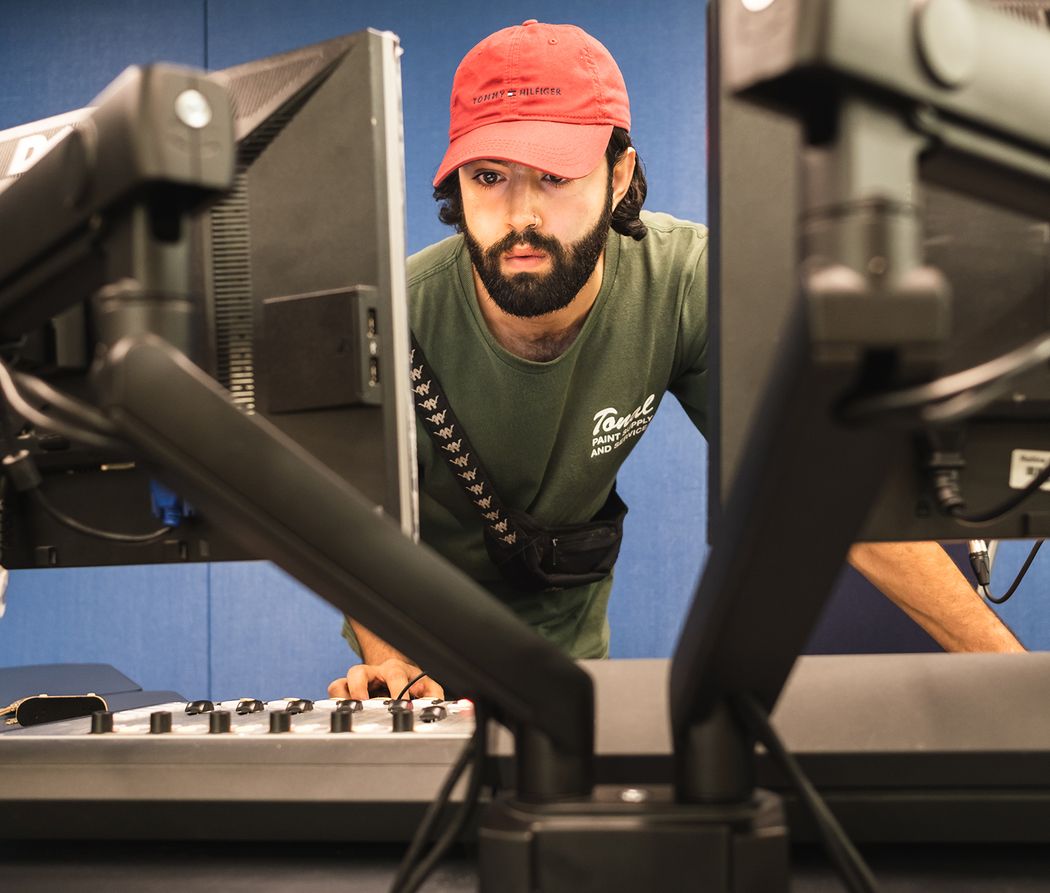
x: 623, y: 840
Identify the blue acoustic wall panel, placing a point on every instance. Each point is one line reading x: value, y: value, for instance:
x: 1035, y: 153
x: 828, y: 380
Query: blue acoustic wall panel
x: 149, y: 622
x: 271, y: 636
x: 58, y: 55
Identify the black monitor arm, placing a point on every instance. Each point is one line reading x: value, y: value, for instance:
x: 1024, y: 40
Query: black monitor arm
x: 110, y: 200
x: 885, y: 92
x: 279, y: 501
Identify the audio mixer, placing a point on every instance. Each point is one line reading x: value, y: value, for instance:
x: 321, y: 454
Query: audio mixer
x: 248, y: 717
x: 242, y: 769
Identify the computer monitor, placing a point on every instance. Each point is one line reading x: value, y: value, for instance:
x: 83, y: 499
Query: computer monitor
x: 298, y: 308
x: 997, y: 264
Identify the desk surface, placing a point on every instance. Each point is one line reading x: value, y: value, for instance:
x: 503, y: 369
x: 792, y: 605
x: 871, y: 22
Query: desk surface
x: 312, y: 868
x: 931, y: 704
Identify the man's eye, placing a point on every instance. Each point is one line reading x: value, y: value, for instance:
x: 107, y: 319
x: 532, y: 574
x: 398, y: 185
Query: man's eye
x: 555, y: 181
x: 487, y: 178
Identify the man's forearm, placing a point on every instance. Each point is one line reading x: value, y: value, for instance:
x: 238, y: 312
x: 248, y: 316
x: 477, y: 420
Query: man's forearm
x: 373, y: 649
x: 923, y: 581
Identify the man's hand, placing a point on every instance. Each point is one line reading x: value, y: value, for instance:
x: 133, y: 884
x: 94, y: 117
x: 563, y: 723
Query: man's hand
x: 393, y: 674
x: 384, y: 669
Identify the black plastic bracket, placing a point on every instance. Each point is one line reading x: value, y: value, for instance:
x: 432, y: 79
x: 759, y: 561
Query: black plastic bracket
x: 627, y: 839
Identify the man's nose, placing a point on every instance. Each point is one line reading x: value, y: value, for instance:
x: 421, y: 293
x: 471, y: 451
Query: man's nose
x: 524, y: 212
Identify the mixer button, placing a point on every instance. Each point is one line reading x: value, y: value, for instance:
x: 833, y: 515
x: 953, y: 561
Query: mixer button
x: 433, y: 713
x: 393, y: 705
x: 280, y: 721
x: 160, y: 722
x: 351, y: 704
x: 299, y: 705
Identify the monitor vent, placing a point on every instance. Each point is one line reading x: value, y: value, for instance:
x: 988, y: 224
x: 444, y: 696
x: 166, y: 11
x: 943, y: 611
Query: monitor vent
x: 252, y: 146
x: 257, y: 88
x: 232, y: 284
x: 1035, y: 11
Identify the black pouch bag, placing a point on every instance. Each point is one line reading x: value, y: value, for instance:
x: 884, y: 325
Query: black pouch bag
x: 548, y: 558
x: 528, y: 555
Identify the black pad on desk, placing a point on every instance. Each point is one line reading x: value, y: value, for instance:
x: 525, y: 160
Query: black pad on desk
x: 62, y: 679
x: 132, y: 700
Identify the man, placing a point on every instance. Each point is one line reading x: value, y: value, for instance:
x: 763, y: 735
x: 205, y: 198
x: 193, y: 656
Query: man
x: 555, y: 338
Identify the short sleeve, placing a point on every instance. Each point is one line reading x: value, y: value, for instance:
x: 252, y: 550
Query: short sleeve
x: 689, y: 384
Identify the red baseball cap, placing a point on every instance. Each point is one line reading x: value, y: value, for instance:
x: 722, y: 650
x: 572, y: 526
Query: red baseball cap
x: 546, y: 96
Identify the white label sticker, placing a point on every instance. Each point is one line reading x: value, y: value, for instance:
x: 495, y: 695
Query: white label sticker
x: 1025, y: 465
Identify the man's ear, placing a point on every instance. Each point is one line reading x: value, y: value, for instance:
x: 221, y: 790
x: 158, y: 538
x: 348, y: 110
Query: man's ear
x: 622, y: 174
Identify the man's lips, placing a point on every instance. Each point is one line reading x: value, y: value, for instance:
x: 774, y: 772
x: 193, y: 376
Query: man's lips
x: 524, y: 257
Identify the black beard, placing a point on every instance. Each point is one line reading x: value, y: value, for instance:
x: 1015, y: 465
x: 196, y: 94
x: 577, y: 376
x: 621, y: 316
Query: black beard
x: 528, y: 295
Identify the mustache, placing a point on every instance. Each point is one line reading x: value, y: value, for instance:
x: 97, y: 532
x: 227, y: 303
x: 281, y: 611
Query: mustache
x: 528, y: 237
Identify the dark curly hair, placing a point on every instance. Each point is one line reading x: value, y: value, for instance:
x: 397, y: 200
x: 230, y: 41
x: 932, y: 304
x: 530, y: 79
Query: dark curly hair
x: 624, y: 216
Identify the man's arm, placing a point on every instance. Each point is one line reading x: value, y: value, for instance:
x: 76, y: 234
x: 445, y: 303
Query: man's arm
x: 923, y: 581
x: 382, y: 665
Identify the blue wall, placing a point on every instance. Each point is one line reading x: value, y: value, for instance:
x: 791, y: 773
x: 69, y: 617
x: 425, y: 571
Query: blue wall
x: 243, y: 629
x: 239, y: 629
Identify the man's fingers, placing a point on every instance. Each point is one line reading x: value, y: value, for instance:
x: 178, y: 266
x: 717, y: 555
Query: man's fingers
x: 338, y: 688
x: 357, y: 678
x: 427, y: 688
x: 395, y: 674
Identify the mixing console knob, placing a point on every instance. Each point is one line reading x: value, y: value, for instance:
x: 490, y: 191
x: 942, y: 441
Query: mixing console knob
x: 394, y: 705
x: 193, y: 708
x: 351, y: 704
x: 101, y: 721
x: 403, y: 719
x: 249, y: 705
x: 160, y: 722
x: 342, y: 719
x: 434, y: 713
x: 219, y: 722
x: 280, y: 721
x: 299, y: 705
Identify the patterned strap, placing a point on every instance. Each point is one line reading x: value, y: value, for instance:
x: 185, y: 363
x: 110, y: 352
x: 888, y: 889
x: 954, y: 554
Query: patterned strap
x: 451, y: 440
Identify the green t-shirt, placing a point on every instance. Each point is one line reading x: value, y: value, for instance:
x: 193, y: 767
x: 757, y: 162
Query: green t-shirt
x: 552, y: 435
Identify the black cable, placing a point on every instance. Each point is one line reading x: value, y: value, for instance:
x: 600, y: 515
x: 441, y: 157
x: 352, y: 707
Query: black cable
x: 414, y: 871
x: 52, y: 424
x: 998, y: 600
x: 404, y: 691
x: 78, y: 410
x: 1008, y: 505
x: 850, y: 864
x: 430, y: 818
x: 954, y: 396
x: 456, y: 826
x: 73, y: 524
